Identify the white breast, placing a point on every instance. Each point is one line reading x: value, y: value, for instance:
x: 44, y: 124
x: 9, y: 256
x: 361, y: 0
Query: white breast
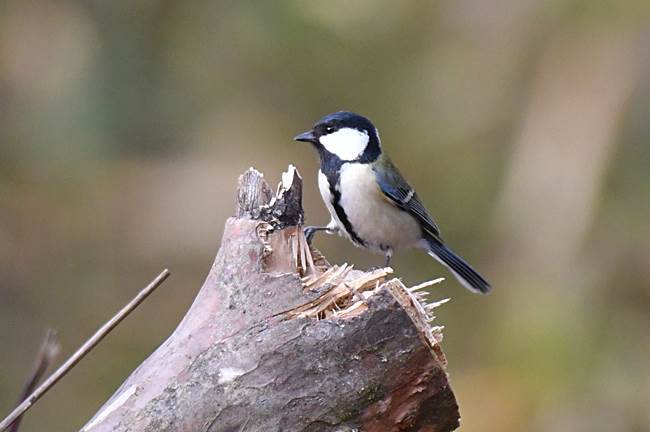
x: 324, y: 187
x: 375, y: 220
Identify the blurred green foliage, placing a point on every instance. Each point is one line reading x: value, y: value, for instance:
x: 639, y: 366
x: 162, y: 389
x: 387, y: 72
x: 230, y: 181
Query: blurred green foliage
x: 523, y: 125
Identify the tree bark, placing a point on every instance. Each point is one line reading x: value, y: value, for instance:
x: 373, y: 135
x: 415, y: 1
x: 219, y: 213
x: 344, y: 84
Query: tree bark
x: 280, y: 340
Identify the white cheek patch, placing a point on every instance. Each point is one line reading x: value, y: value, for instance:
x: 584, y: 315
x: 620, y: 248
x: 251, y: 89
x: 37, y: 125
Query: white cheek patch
x: 346, y: 143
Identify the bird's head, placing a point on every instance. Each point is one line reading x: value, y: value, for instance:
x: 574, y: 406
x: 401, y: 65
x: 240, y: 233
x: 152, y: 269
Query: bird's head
x: 345, y: 135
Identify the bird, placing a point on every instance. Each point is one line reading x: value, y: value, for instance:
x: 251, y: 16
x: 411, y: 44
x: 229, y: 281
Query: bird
x: 370, y: 202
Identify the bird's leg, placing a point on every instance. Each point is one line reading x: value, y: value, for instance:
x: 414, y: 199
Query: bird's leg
x: 389, y: 255
x: 311, y: 230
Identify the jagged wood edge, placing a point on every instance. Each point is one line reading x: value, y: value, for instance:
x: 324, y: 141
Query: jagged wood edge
x: 341, y: 296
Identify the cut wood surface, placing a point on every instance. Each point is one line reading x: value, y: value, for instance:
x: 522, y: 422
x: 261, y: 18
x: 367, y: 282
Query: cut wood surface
x: 278, y: 339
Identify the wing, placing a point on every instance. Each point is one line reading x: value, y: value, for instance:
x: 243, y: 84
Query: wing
x: 401, y: 194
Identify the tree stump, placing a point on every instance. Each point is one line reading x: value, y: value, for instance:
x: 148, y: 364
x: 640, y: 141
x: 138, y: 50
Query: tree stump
x: 278, y: 339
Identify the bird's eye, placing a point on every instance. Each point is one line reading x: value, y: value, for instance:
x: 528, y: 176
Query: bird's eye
x: 329, y: 129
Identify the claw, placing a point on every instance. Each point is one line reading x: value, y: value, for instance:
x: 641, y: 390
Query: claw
x: 311, y: 230
x: 309, y: 233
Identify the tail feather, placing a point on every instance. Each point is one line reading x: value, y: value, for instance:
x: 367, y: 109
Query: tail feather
x: 465, y: 274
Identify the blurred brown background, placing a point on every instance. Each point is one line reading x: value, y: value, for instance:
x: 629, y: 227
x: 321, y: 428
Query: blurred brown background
x: 523, y: 125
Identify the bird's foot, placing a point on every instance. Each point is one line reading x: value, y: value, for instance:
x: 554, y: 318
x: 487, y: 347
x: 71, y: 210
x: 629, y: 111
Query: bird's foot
x: 311, y: 230
x: 375, y: 268
x: 309, y: 233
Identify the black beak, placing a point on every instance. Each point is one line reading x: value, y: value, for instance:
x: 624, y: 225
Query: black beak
x: 306, y: 137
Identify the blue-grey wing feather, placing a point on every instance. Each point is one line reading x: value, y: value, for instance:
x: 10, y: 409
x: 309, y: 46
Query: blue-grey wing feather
x: 397, y: 189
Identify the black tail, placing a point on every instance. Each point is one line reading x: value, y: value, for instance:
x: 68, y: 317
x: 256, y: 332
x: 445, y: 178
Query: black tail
x: 465, y: 274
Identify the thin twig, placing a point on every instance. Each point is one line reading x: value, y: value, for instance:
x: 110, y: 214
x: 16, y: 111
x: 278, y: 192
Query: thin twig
x: 49, y: 350
x: 83, y: 350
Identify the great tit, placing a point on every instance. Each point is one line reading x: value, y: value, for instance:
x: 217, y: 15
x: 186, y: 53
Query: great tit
x: 368, y: 199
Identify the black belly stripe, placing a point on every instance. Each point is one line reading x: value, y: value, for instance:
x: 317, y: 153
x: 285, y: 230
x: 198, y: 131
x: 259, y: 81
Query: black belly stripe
x: 333, y: 179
